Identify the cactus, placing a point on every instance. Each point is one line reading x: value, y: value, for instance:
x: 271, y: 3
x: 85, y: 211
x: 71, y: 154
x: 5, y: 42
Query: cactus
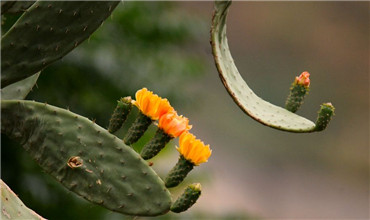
x: 120, y: 114
x: 19, y: 90
x: 12, y: 207
x: 187, y: 199
x: 325, y: 113
x: 298, y: 91
x: 85, y: 158
x: 46, y: 32
x: 14, y: 7
x: 257, y: 108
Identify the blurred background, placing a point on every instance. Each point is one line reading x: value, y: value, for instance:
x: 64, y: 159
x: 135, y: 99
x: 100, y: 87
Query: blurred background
x: 255, y: 172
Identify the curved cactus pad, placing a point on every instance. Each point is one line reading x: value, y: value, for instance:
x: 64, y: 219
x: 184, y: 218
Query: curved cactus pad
x: 46, y: 32
x: 86, y: 158
x: 12, y: 207
x: 257, y: 108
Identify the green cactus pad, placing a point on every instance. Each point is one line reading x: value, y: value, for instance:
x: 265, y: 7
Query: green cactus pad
x: 14, y: 7
x: 178, y: 173
x: 326, y: 112
x: 86, y: 158
x: 187, y: 199
x: 120, y: 114
x: 296, y: 97
x: 20, y: 89
x: 46, y: 32
x: 257, y: 108
x: 12, y: 207
x: 155, y: 145
x: 137, y: 129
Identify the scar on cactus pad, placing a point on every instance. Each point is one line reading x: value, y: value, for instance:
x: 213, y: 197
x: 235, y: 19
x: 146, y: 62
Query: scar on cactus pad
x: 262, y: 111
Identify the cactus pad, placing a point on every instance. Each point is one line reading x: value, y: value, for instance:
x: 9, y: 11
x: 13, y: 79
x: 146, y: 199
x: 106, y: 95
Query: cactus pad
x: 20, y: 89
x: 12, y: 207
x: 46, y: 32
x: 257, y: 108
x: 86, y: 158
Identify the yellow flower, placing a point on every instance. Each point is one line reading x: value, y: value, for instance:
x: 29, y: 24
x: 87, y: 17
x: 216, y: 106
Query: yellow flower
x: 151, y: 104
x: 193, y: 149
x: 173, y: 124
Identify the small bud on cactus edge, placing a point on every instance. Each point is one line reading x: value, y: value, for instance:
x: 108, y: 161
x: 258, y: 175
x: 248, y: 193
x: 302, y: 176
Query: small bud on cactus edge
x: 120, y: 114
x: 298, y: 90
x: 187, y: 199
x: 325, y: 114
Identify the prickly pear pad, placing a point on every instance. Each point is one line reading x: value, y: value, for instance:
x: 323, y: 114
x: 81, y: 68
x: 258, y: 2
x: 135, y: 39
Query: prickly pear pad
x: 46, y: 32
x: 257, y: 108
x: 86, y: 158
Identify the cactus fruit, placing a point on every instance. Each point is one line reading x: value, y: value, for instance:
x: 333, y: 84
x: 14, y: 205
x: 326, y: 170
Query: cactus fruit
x: 170, y: 125
x: 155, y: 145
x: 325, y: 113
x: 137, y: 129
x: 151, y: 107
x: 192, y: 153
x: 120, y: 114
x: 12, y: 207
x: 298, y: 91
x: 85, y: 158
x: 187, y: 199
x: 178, y: 173
x: 20, y: 89
x: 46, y: 32
x: 257, y: 108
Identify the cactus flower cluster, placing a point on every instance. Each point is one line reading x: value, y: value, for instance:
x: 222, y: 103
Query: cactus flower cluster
x: 170, y: 125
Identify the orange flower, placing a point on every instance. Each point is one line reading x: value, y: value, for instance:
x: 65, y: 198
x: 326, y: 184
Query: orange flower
x: 173, y: 124
x: 303, y: 79
x: 193, y: 149
x: 151, y: 104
